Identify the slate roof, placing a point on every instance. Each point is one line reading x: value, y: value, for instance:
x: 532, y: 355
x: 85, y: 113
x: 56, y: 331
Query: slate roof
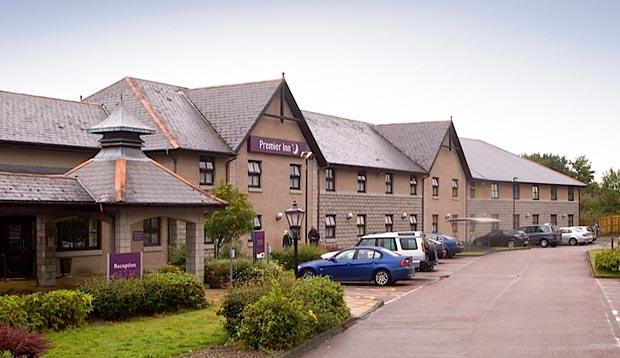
x: 233, y: 109
x: 28, y: 188
x: 488, y: 162
x: 41, y: 120
x: 352, y: 143
x: 420, y: 141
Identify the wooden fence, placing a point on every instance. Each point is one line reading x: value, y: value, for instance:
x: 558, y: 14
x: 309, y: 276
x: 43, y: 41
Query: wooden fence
x: 610, y: 225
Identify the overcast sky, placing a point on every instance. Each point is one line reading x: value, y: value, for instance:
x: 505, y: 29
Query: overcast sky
x: 529, y: 76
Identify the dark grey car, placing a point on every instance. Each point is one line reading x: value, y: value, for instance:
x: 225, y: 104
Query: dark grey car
x: 544, y: 235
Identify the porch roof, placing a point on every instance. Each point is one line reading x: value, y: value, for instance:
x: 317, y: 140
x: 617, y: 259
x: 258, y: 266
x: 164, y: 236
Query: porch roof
x: 40, y: 188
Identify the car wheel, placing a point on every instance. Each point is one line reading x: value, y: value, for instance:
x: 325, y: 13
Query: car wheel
x: 382, y: 277
x: 544, y: 243
x: 572, y: 242
x: 511, y: 244
x: 307, y: 274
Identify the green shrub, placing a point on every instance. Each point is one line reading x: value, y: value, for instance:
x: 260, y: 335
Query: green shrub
x: 170, y: 269
x: 608, y: 260
x: 12, y: 311
x: 217, y: 271
x: 325, y: 298
x: 57, y: 309
x: 154, y: 293
x: 305, y: 253
x: 275, y: 321
x: 176, y: 255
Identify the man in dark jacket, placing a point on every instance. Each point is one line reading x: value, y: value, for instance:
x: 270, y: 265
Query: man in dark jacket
x: 314, y: 236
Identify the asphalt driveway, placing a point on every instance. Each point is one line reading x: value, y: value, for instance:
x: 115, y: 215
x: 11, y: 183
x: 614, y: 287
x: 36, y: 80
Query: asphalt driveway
x: 530, y: 303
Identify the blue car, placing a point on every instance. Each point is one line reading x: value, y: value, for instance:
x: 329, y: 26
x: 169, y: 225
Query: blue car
x: 361, y: 263
x: 453, y: 246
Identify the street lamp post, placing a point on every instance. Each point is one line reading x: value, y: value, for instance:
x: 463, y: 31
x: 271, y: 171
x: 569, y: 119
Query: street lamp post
x: 514, y: 197
x: 306, y: 155
x: 294, y: 216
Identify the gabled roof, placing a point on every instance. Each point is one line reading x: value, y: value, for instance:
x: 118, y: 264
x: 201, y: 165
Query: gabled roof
x: 234, y: 109
x: 44, y: 189
x: 48, y: 121
x: 352, y: 143
x: 420, y: 141
x: 488, y: 162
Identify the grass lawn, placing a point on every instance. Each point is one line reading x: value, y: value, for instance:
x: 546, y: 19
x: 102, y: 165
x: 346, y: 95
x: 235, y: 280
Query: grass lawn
x: 160, y: 336
x: 600, y: 273
x: 473, y: 253
x: 494, y: 249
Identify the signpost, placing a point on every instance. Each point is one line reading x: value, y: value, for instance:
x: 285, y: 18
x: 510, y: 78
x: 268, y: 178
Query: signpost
x: 124, y: 265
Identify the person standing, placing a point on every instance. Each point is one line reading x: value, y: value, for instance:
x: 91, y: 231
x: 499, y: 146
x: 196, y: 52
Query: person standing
x: 314, y: 236
x: 287, y: 241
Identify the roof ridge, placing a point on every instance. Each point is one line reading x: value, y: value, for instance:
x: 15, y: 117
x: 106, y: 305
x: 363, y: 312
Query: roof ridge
x: 51, y: 98
x: 158, y: 82
x: 103, y: 89
x: 337, y: 117
x: 407, y: 123
x: 235, y: 84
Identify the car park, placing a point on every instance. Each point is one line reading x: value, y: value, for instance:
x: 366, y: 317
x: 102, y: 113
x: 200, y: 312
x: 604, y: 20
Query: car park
x: 502, y: 238
x: 361, y: 263
x: 576, y: 235
x: 452, y: 245
x: 544, y: 235
x: 435, y: 249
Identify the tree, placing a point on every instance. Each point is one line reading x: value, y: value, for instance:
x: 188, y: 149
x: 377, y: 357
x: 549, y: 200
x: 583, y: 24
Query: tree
x: 610, y: 192
x: 582, y: 170
x: 226, y: 226
x: 552, y: 161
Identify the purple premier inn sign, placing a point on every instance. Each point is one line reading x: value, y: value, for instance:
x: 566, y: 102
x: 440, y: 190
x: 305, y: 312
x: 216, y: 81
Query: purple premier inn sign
x: 125, y: 265
x: 275, y: 146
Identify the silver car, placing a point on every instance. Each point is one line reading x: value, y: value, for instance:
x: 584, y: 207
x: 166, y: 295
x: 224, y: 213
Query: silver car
x: 576, y: 235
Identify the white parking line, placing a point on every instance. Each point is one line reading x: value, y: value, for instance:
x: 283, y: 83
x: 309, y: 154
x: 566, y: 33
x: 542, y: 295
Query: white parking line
x: 608, y: 316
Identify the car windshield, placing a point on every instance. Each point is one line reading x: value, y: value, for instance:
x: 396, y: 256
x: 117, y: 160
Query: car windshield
x: 409, y: 243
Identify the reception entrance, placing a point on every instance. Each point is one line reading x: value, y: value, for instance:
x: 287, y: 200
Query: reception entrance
x: 17, y: 253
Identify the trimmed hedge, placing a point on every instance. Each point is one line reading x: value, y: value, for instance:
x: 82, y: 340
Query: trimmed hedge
x: 608, y: 260
x: 12, y: 311
x: 305, y: 253
x: 244, y: 270
x: 154, y: 293
x: 325, y: 298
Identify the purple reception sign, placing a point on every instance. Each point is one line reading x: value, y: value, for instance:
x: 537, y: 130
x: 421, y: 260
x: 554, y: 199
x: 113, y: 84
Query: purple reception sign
x: 124, y: 265
x: 275, y: 146
x: 258, y: 244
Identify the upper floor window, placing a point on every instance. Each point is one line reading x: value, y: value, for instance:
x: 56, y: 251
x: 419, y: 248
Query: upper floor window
x: 330, y: 226
x: 361, y: 182
x: 413, y: 222
x: 455, y: 188
x: 79, y: 233
x: 295, y: 176
x: 516, y: 191
x: 254, y: 173
x: 413, y: 185
x: 554, y: 192
x: 435, y: 186
x: 472, y: 190
x: 494, y: 191
x: 389, y: 224
x: 361, y: 225
x: 207, y: 171
x: 571, y: 194
x: 152, y: 231
x: 388, y: 183
x: 330, y: 179
x: 535, y: 192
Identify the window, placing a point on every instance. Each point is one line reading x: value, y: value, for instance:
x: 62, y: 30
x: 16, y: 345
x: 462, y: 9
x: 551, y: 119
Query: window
x: 516, y: 191
x: 554, y: 219
x: 455, y: 188
x: 361, y: 225
x: 367, y: 254
x: 345, y: 255
x: 409, y: 243
x: 79, y: 233
x: 455, y: 224
x: 571, y: 193
x: 571, y: 220
x: 435, y: 186
x: 258, y: 222
x: 413, y: 185
x: 535, y: 219
x: 368, y: 242
x: 495, y: 225
x: 389, y: 226
x: 361, y: 182
x: 254, y: 173
x: 330, y: 179
x: 387, y: 242
x: 535, y: 192
x: 151, y: 227
x: 208, y: 240
x: 330, y: 226
x: 413, y: 222
x: 472, y: 190
x: 494, y: 191
x: 515, y: 221
x: 295, y: 176
x: 435, y: 224
x: 388, y: 183
x: 554, y: 192
x: 207, y: 171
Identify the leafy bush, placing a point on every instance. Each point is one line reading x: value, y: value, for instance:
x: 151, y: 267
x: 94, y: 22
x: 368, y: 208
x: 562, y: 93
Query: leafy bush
x: 305, y: 253
x: 20, y: 342
x: 608, y: 260
x: 12, y: 311
x: 170, y: 269
x: 154, y: 293
x: 57, y: 310
x: 217, y: 271
x: 325, y: 298
x: 275, y: 321
x: 176, y: 255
